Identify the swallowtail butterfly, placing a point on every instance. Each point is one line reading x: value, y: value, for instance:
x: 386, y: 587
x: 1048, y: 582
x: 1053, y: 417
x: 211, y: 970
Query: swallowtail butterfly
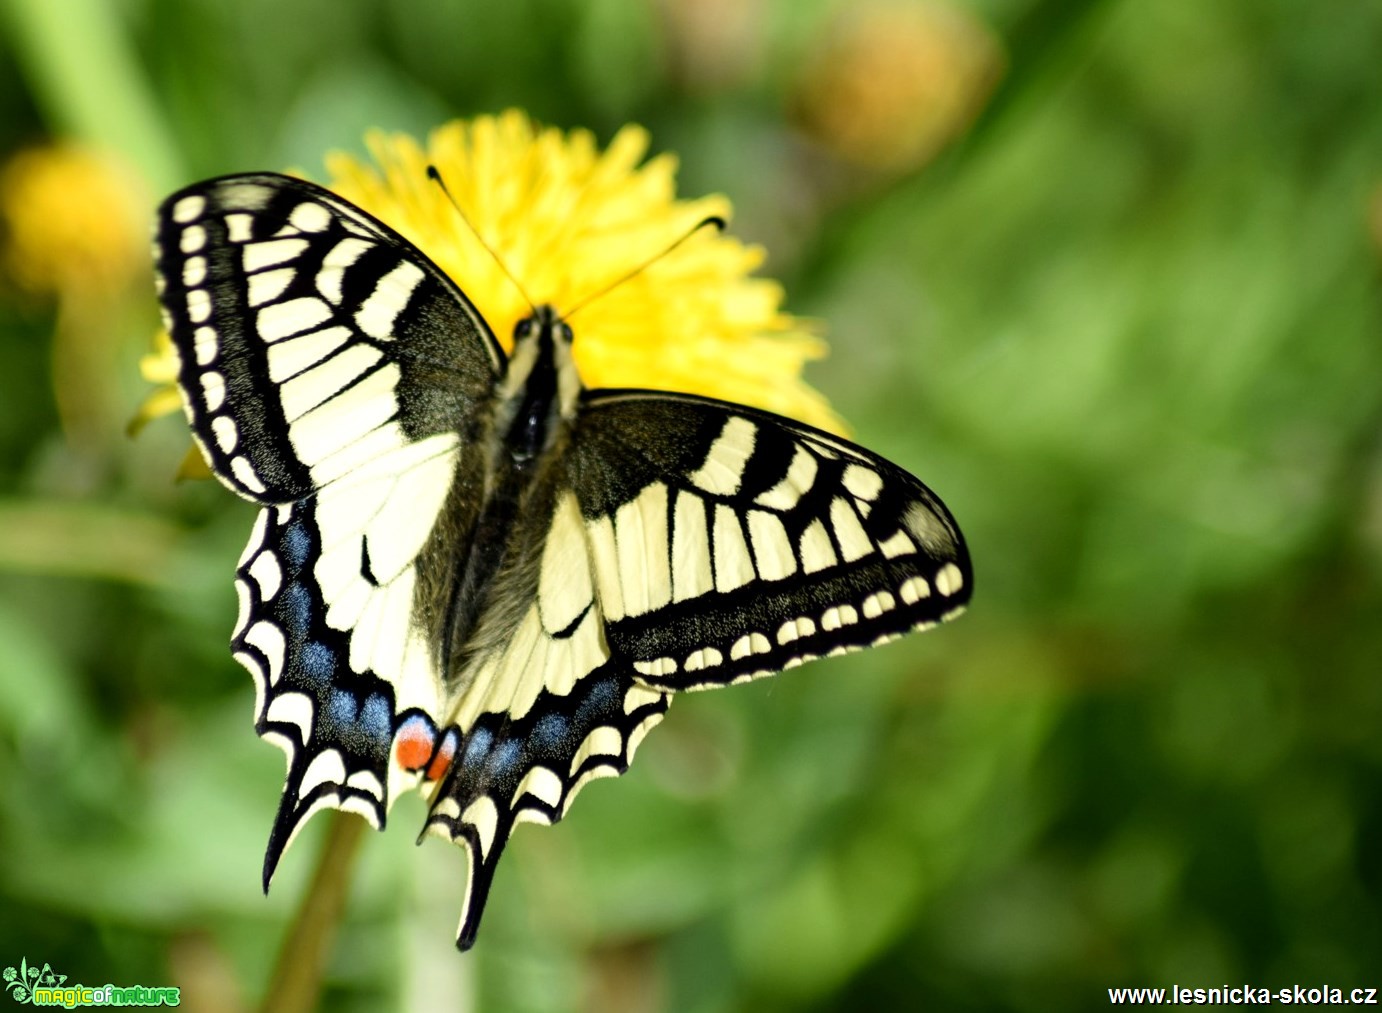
x: 470, y: 574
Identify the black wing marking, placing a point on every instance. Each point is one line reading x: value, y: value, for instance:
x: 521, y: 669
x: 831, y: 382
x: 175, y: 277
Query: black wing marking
x: 730, y: 543
x: 312, y: 337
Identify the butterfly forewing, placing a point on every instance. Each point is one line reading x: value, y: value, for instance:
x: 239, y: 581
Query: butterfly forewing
x: 729, y: 543
x: 312, y: 338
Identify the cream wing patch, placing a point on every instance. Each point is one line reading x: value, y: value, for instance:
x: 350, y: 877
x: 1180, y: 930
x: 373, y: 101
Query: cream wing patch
x: 372, y: 527
x: 565, y: 587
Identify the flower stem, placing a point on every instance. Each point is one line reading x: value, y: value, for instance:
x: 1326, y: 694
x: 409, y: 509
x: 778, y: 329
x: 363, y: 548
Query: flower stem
x: 296, y: 983
x: 87, y: 78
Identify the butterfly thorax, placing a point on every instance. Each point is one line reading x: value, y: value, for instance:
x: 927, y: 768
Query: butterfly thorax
x: 488, y: 583
x: 540, y: 388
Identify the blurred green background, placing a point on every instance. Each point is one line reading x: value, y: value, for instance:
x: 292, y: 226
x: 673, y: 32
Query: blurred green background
x: 1105, y: 274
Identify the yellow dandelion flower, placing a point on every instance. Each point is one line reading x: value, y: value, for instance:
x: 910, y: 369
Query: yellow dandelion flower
x: 73, y: 221
x: 567, y: 220
x: 160, y: 367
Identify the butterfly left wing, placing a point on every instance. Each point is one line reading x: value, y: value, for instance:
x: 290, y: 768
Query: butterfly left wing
x: 729, y: 543
x: 328, y: 587
x: 334, y: 375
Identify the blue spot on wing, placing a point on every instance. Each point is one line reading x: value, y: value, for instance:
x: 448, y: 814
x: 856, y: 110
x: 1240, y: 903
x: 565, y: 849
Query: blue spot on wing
x: 505, y: 757
x: 343, y: 707
x: 376, y: 717
x: 477, y: 746
x: 549, y: 732
x: 362, y: 729
x: 295, y: 610
x: 296, y: 545
x: 414, y: 723
x: 601, y: 698
x: 317, y: 663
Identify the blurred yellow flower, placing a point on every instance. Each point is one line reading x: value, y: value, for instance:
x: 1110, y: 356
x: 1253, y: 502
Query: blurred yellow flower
x: 890, y: 82
x: 160, y: 367
x: 73, y: 221
x: 73, y: 225
x: 567, y: 220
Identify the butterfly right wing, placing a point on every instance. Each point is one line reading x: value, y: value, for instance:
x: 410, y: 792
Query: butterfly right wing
x: 546, y: 712
x: 729, y: 543
x: 690, y: 543
x: 333, y: 374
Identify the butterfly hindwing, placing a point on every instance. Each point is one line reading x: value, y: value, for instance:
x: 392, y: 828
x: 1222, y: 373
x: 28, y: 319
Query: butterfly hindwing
x: 334, y: 723
x: 549, y: 710
x: 509, y: 770
x: 327, y: 588
x: 729, y: 543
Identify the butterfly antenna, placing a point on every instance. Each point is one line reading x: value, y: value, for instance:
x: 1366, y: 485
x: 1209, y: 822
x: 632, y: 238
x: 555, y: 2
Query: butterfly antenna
x: 716, y: 221
x: 434, y: 174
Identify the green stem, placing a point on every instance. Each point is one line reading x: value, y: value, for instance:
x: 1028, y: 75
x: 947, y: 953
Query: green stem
x: 296, y: 983
x: 84, y: 74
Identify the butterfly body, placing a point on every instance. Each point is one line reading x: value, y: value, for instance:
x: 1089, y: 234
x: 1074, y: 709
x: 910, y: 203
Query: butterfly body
x: 469, y: 573
x: 483, y: 579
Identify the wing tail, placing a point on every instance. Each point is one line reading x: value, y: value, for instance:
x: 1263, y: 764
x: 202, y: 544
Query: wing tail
x: 507, y: 771
x: 335, y: 724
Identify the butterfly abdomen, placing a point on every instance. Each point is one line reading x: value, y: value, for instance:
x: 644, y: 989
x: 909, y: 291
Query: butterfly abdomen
x: 488, y: 581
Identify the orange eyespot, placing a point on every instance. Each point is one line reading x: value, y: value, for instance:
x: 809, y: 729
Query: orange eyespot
x: 414, y: 744
x: 446, y: 752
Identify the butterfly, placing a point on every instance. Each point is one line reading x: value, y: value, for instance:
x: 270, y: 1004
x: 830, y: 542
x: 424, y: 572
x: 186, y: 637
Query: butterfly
x: 471, y: 575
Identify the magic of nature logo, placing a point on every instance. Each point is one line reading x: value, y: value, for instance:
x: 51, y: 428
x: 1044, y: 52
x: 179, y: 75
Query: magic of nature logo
x: 42, y: 986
